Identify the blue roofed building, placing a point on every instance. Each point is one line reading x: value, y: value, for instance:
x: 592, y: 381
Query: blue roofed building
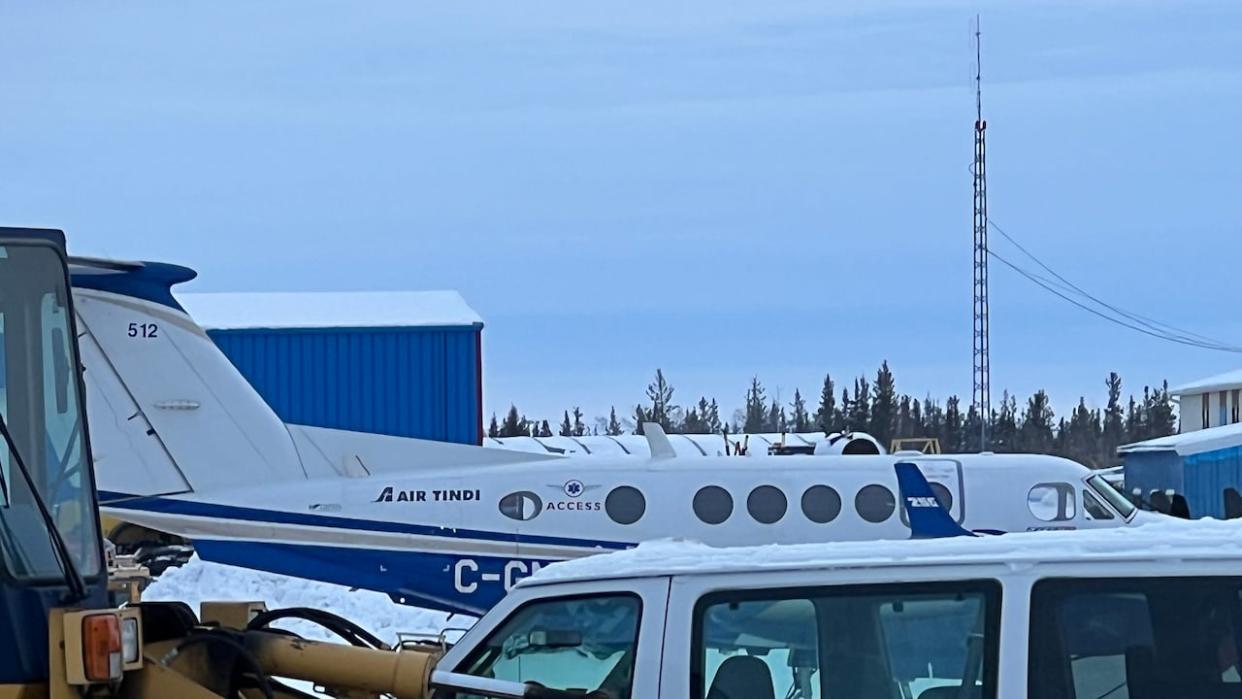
x: 1204, y: 461
x: 403, y: 363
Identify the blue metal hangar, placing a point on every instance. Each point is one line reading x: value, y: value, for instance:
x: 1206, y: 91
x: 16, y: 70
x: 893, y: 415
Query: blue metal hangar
x: 1202, y: 464
x: 403, y: 363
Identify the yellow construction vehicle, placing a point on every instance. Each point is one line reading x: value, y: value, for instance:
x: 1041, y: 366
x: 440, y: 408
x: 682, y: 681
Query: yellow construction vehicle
x: 63, y: 636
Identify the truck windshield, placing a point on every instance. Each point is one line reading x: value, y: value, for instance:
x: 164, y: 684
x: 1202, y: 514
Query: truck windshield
x: 1135, y: 637
x: 41, y: 406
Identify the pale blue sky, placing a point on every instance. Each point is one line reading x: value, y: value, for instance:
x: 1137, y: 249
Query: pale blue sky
x: 718, y: 189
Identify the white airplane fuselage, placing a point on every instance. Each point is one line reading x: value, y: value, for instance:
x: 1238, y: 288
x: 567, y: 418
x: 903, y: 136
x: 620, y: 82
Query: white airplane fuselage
x: 458, y: 539
x: 184, y: 444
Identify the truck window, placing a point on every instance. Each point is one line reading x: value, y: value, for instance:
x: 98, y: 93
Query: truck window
x: 581, y: 644
x: 923, y: 641
x: 1135, y: 637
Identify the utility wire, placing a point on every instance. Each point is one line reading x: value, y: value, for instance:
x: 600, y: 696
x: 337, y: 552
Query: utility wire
x: 1154, y: 325
x: 1059, y: 290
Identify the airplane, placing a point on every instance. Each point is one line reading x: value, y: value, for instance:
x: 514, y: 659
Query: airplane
x: 183, y: 444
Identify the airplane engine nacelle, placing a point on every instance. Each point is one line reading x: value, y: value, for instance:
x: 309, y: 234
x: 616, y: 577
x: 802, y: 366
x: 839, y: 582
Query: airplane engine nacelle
x: 848, y: 443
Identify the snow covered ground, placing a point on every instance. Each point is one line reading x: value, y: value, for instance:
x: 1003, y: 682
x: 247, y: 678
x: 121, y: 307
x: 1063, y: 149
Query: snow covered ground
x: 200, y: 580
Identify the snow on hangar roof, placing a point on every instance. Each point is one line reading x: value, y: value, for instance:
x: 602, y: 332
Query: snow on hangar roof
x: 318, y: 309
x: 1193, y: 442
x: 1225, y: 381
x: 1164, y: 540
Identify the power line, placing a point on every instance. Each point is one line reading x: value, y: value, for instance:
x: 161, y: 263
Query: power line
x: 1154, y: 325
x: 1127, y: 321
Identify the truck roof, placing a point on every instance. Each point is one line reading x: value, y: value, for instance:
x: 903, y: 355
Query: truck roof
x: 1172, y: 540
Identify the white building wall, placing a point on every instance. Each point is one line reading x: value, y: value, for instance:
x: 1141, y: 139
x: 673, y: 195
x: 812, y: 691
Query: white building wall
x: 1191, y: 409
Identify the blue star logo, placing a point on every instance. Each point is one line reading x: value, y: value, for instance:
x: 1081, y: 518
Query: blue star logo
x: 574, y: 488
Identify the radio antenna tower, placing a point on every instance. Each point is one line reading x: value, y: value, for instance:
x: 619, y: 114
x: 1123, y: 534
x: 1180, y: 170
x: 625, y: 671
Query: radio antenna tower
x: 982, y: 366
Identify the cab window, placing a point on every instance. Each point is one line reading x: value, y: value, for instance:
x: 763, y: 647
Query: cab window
x: 926, y: 641
x: 1135, y: 638
x: 581, y: 644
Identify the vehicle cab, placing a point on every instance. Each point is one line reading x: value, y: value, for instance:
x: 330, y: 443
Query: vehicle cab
x: 1153, y: 611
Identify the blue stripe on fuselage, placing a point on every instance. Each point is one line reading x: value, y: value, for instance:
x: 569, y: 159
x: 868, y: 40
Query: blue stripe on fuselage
x: 445, y: 582
x: 122, y: 501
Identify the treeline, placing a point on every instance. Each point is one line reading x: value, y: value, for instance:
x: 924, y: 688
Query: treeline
x: 1087, y: 435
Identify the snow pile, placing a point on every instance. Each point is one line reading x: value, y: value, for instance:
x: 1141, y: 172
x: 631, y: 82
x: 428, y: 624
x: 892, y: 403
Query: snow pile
x: 200, y: 580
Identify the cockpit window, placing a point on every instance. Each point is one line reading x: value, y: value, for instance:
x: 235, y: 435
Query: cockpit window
x: 1052, y: 502
x: 580, y: 644
x: 1094, y: 508
x: 1110, y: 495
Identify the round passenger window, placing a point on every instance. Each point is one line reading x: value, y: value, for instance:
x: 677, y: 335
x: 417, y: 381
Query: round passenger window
x: 875, y: 503
x: 625, y: 505
x: 766, y: 504
x: 713, y: 504
x: 821, y: 504
x: 944, y: 496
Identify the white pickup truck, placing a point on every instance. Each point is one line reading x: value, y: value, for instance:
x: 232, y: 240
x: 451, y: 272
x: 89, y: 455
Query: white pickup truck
x: 1154, y: 611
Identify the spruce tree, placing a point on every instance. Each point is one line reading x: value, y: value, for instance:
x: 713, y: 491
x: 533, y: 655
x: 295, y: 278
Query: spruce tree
x: 1004, y: 432
x: 775, y: 420
x: 1114, y: 422
x: 697, y: 417
x: 1136, y: 430
x: 933, y: 422
x: 545, y: 430
x: 1084, y: 435
x: 903, y: 426
x: 801, y: 419
x: 860, y: 408
x: 953, y: 440
x: 493, y: 428
x: 692, y: 423
x: 1161, y: 420
x: 883, y: 406
x: 660, y: 393
x: 713, y: 418
x: 1036, y: 433
x: 827, y: 417
x: 756, y: 408
x: 567, y: 429
x: 846, y: 406
x: 513, y: 425
x: 640, y: 416
x: 579, y: 426
x: 614, y: 425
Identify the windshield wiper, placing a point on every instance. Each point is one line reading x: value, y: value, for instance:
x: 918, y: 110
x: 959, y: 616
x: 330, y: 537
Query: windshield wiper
x: 73, y: 579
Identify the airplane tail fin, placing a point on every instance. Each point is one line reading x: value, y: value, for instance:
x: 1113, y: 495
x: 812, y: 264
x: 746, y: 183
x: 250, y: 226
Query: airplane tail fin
x: 928, y: 518
x: 169, y: 414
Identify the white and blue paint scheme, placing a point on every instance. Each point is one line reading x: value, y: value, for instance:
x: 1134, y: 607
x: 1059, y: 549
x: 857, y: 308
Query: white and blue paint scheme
x: 183, y: 444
